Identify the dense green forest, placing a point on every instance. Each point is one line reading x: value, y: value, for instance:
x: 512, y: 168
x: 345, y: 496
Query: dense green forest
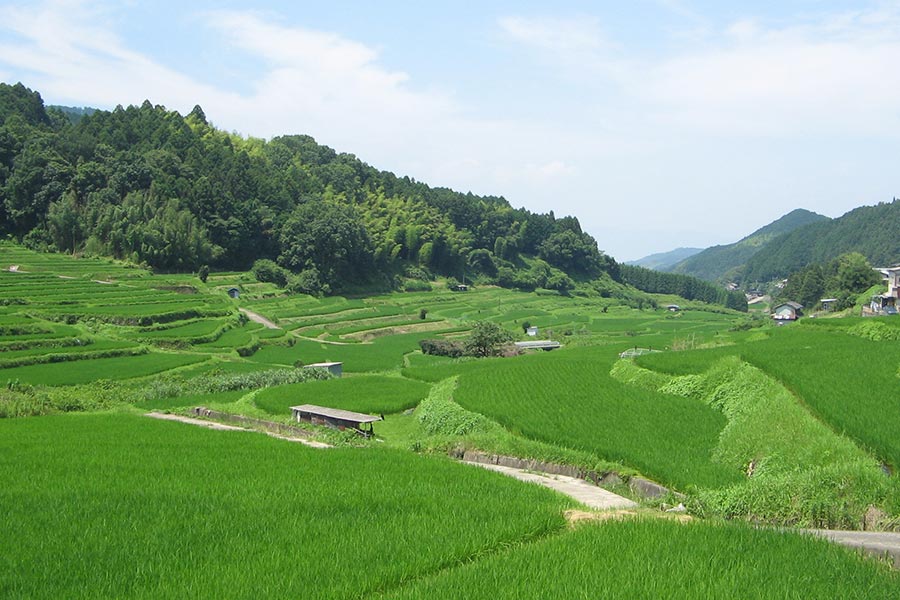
x: 873, y: 231
x: 151, y: 186
x: 725, y: 262
x: 691, y: 288
x: 148, y: 185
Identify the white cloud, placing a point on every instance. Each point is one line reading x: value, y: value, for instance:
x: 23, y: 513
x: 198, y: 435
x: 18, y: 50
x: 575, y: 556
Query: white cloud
x: 836, y: 73
x: 563, y: 36
x: 72, y: 56
x: 554, y: 169
x: 338, y: 83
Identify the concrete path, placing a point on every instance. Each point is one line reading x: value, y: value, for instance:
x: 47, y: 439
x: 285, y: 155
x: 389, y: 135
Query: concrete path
x: 258, y: 318
x: 586, y: 493
x: 223, y: 427
x: 875, y: 542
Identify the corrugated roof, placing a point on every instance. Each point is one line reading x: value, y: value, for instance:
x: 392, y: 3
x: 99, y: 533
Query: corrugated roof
x: 324, y: 364
x: 538, y: 344
x: 336, y: 413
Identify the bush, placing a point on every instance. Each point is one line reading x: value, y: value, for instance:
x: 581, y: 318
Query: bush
x: 439, y: 347
x: 267, y: 271
x: 414, y: 272
x: 416, y: 285
x: 308, y: 281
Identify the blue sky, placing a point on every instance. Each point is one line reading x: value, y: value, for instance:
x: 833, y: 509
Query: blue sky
x: 658, y: 123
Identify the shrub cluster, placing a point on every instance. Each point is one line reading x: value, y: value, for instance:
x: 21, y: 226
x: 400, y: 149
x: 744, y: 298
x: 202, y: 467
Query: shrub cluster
x: 439, y: 347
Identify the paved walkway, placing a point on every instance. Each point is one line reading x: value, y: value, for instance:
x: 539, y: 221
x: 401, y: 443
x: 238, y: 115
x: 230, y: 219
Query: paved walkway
x: 224, y: 427
x: 586, y: 493
x: 875, y: 542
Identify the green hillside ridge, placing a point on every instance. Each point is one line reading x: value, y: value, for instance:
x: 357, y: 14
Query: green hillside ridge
x: 149, y: 185
x: 722, y: 262
x: 869, y: 230
x: 155, y: 188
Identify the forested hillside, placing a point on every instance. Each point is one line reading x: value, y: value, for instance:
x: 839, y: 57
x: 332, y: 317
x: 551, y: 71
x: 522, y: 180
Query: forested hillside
x: 691, y: 288
x: 873, y: 231
x: 148, y: 185
x: 723, y: 262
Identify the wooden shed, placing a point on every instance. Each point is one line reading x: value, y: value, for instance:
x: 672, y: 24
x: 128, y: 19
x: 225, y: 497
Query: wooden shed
x: 335, y: 417
x: 335, y: 368
x: 234, y: 292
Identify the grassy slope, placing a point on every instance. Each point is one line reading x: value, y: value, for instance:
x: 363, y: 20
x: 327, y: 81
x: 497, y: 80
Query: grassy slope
x: 848, y: 381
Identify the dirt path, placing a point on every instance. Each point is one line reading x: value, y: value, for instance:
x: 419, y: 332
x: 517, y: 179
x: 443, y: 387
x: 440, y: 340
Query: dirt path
x: 582, y: 491
x: 874, y: 542
x: 321, y: 341
x: 223, y: 427
x: 258, y: 318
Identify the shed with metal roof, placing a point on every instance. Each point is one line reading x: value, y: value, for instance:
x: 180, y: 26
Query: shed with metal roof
x: 335, y: 417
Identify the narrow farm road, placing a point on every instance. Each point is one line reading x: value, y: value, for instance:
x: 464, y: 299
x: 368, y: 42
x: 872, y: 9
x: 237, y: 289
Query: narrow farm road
x: 223, y: 427
x: 580, y: 490
x: 258, y: 318
x: 875, y: 542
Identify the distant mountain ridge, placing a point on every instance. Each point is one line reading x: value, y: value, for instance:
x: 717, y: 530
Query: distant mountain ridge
x: 662, y: 261
x: 719, y: 263
x: 873, y: 231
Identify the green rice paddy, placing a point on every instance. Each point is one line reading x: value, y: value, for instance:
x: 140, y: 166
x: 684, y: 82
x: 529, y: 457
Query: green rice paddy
x: 366, y: 394
x: 158, y: 509
x: 132, y: 507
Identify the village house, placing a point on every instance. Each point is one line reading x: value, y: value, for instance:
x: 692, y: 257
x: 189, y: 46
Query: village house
x: 892, y: 278
x: 787, y: 311
x: 886, y: 304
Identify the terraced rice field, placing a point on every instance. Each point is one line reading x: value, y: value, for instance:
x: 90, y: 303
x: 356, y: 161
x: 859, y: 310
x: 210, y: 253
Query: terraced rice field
x: 848, y: 381
x: 165, y: 510
x: 366, y: 394
x: 568, y: 398
x: 238, y: 514
x: 664, y: 559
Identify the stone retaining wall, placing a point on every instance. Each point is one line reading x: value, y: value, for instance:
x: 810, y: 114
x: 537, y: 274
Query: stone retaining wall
x: 279, y: 428
x: 639, y: 485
